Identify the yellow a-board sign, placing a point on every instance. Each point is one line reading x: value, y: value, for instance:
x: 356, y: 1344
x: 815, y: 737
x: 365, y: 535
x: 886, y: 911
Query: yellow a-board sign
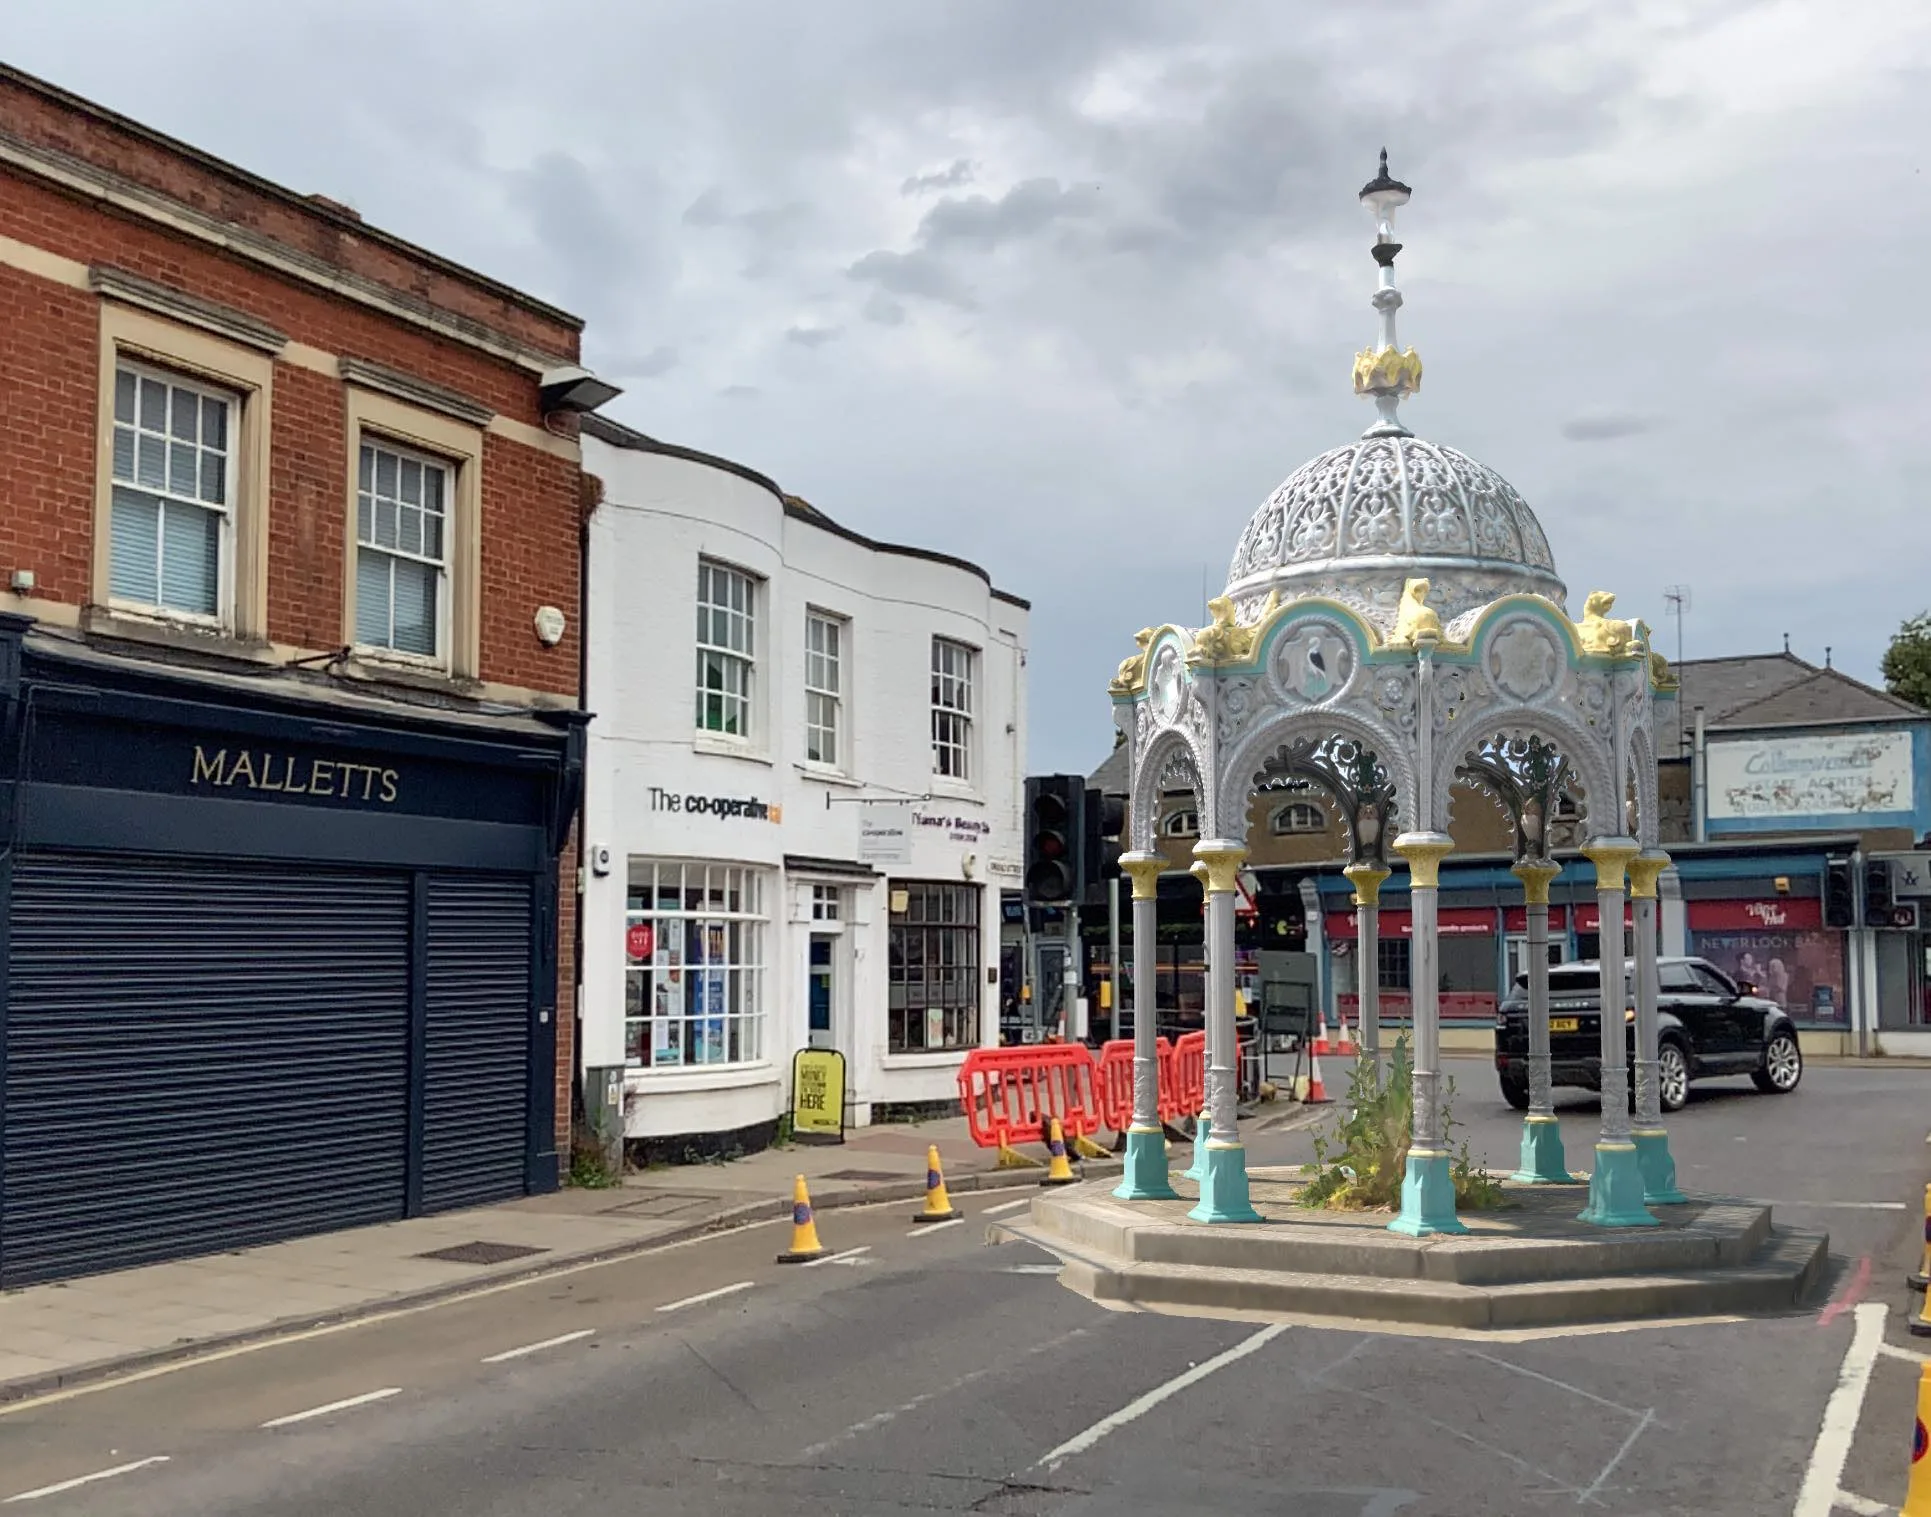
x: 818, y: 1096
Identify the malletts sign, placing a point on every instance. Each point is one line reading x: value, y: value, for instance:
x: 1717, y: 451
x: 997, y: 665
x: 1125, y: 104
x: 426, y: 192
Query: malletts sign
x: 265, y: 772
x: 1860, y: 775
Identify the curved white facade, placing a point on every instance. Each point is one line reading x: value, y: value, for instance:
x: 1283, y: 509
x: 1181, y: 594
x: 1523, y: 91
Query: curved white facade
x: 734, y: 756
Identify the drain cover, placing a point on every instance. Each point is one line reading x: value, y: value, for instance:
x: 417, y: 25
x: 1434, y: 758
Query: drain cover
x: 482, y: 1253
x: 866, y: 1174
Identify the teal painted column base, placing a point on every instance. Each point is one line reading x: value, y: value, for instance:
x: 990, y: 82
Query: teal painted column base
x: 1543, y: 1162
x: 1146, y: 1167
x: 1223, y: 1189
x: 1198, y: 1169
x: 1616, y: 1189
x: 1427, y: 1196
x: 1658, y: 1165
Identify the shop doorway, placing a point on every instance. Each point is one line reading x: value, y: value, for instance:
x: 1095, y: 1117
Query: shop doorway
x: 821, y: 990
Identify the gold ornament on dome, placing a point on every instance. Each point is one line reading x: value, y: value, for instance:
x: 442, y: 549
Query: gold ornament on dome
x: 1224, y: 640
x: 1384, y: 371
x: 1599, y: 632
x: 1415, y: 622
x: 1132, y: 676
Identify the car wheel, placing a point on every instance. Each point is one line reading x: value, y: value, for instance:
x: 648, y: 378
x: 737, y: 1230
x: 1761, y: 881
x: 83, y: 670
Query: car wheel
x: 1672, y: 1077
x: 1782, y: 1067
x: 1516, y: 1093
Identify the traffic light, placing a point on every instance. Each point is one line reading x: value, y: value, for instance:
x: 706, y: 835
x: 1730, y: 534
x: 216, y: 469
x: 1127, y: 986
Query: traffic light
x: 1877, y: 892
x: 1840, y: 897
x: 1100, y: 859
x: 1055, y: 817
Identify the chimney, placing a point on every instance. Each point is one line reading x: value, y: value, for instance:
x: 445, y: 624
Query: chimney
x: 336, y: 207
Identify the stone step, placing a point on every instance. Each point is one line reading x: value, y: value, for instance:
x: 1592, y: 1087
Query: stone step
x: 1719, y: 1234
x: 1778, y: 1277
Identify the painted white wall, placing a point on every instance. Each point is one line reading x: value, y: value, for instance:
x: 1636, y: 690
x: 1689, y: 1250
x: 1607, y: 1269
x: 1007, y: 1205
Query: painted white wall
x: 660, y: 514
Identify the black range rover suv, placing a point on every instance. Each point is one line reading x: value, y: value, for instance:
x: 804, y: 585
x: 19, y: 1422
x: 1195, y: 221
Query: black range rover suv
x: 1709, y: 1027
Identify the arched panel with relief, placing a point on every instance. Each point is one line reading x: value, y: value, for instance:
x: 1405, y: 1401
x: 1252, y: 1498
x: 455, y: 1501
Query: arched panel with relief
x: 1312, y: 663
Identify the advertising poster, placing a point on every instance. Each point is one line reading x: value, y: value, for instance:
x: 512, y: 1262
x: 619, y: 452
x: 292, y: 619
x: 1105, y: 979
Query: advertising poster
x: 1801, y: 970
x: 818, y: 1096
x: 712, y: 993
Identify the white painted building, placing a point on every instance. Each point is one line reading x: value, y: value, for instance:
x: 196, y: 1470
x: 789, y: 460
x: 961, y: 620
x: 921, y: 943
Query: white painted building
x: 767, y: 686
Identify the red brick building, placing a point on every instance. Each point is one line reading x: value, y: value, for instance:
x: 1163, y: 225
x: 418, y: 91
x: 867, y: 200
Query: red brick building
x: 290, y: 740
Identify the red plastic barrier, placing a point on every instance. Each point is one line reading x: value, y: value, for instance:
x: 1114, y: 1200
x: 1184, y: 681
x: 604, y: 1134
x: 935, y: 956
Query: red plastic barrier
x: 1009, y: 1095
x: 1189, y: 1075
x: 1114, y: 1079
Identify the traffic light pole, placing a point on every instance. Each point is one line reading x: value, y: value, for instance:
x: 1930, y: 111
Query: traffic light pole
x: 1069, y: 980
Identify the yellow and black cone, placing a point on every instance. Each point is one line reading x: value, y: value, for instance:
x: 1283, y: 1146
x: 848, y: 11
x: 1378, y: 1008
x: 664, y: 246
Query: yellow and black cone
x: 804, y: 1231
x: 1923, y: 1277
x: 1059, y: 1172
x: 938, y: 1205
x: 1917, y: 1496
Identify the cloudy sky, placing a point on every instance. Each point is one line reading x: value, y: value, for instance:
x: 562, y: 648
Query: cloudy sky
x: 1067, y: 288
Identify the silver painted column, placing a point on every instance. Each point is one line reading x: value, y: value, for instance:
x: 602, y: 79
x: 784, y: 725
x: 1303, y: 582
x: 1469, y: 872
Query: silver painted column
x: 1425, y: 852
x: 1536, y: 876
x: 1223, y: 859
x: 1611, y: 857
x: 1367, y: 880
x: 1653, y: 1155
x: 1144, y: 869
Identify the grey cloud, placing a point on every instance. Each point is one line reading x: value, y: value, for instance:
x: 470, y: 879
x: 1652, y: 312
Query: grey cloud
x: 1028, y: 207
x: 811, y: 337
x: 914, y: 273
x: 658, y: 361
x: 884, y: 310
x: 958, y: 173
x: 740, y: 392
x: 1609, y: 425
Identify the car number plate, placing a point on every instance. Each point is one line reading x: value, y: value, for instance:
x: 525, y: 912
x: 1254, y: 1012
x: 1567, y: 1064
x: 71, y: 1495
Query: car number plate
x: 1564, y: 1024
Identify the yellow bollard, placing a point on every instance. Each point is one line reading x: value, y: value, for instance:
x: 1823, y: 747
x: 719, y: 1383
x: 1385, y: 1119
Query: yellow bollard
x: 1059, y: 1172
x: 1917, y: 1499
x: 804, y: 1231
x: 938, y: 1205
x: 1923, y: 1277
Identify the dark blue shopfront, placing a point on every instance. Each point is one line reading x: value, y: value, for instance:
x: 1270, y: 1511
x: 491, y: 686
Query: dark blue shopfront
x: 274, y: 958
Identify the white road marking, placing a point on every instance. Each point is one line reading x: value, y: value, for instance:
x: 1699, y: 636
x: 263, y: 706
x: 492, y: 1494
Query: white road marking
x: 1628, y: 1443
x: 1819, y: 1492
x: 722, y: 1290
x: 935, y: 1227
x: 1006, y: 1206
x: 81, y: 1480
x: 536, y: 1348
x: 1138, y: 1408
x: 1850, y: 1501
x: 1561, y: 1385
x: 849, y: 1256
x: 1032, y: 1269
x: 1832, y: 1205
x: 1892, y: 1351
x: 335, y: 1406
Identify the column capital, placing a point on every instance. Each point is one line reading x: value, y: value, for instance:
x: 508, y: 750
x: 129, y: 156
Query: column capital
x: 1221, y: 858
x: 1424, y: 852
x: 1611, y: 856
x: 1644, y: 871
x: 1145, y: 870
x: 1367, y: 880
x: 1536, y: 876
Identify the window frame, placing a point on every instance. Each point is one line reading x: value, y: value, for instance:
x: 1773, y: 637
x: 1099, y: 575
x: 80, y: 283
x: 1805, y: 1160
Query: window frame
x: 1280, y: 826
x: 375, y: 442
x: 840, y: 727
x: 750, y: 973
x: 244, y: 377
x: 1171, y: 825
x: 968, y: 973
x: 383, y: 421
x: 943, y: 712
x: 751, y: 690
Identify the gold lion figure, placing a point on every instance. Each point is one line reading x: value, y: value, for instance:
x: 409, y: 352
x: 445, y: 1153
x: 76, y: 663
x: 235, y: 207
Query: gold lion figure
x: 1224, y: 640
x: 1414, y: 621
x: 1133, y: 671
x: 1599, y: 632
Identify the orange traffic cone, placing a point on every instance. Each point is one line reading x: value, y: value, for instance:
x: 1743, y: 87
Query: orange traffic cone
x: 1923, y: 1277
x: 938, y: 1205
x: 1059, y: 1172
x: 1917, y: 1497
x: 804, y: 1231
x: 1317, y: 1093
x: 1921, y: 1323
x: 1321, y: 1034
x: 1346, y: 1049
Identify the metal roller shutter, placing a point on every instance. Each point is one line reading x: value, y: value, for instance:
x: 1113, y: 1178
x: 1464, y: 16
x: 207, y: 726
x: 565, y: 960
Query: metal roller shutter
x: 199, y: 1056
x: 476, y: 1075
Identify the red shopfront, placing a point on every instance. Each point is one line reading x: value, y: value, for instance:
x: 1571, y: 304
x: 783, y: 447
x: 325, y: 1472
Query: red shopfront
x: 1781, y: 948
x: 1470, y: 963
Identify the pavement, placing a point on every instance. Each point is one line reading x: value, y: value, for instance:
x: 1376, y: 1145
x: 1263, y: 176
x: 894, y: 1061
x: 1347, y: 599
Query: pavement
x: 61, y: 1335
